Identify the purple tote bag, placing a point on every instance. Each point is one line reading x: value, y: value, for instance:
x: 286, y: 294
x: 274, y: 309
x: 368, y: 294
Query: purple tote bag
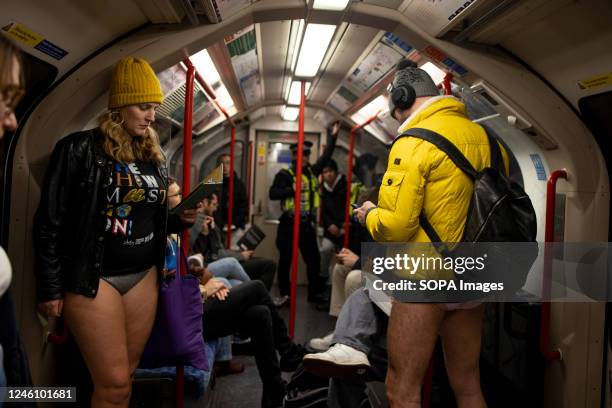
x: 176, y: 338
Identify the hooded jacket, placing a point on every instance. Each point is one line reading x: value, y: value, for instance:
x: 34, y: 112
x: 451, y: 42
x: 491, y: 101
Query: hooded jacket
x: 420, y: 177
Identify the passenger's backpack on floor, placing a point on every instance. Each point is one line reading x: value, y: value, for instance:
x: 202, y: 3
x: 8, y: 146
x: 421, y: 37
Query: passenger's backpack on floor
x: 306, y: 390
x: 500, y: 210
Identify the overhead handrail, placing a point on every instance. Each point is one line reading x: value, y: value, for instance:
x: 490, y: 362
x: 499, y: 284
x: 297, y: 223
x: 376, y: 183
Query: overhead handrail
x: 551, y: 190
x: 296, y: 210
x: 349, y: 176
x: 230, y: 190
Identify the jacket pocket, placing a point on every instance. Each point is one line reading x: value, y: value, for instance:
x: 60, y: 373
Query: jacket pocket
x: 389, y: 190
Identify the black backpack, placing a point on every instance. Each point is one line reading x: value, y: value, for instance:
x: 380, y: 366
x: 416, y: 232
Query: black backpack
x: 500, y: 210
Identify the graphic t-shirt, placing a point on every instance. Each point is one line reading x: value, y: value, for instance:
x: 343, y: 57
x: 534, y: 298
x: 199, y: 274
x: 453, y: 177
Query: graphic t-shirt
x: 135, y: 194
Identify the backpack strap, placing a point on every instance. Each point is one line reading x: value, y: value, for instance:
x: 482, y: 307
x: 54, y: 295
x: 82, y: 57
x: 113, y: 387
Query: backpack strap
x: 446, y: 146
x: 497, y: 162
x: 460, y: 161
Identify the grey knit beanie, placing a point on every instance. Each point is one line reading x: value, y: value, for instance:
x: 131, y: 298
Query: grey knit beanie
x: 408, y: 74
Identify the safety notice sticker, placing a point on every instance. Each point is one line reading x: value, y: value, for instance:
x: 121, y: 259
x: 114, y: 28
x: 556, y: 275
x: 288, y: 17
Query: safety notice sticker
x: 596, y: 81
x: 32, y: 39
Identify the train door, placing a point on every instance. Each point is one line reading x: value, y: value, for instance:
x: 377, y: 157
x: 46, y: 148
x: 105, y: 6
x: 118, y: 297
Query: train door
x: 271, y: 155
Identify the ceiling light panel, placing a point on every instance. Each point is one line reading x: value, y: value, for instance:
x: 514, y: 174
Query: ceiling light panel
x: 330, y: 4
x: 294, y: 92
x: 290, y: 113
x: 314, y: 46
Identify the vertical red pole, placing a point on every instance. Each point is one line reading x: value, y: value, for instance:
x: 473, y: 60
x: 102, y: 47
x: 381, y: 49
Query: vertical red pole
x: 187, y: 139
x: 349, y: 180
x: 549, y: 236
x: 230, y: 192
x: 248, y: 180
x: 297, y: 211
x: 446, y: 84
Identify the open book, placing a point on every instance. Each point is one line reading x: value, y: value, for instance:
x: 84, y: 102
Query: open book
x: 251, y: 239
x: 213, y: 183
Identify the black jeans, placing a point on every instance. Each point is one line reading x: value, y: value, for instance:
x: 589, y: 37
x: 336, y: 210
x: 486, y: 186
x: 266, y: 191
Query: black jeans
x: 262, y: 269
x: 249, y: 309
x: 310, y: 253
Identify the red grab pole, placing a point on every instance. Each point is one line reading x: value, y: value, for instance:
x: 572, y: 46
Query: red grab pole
x: 549, y: 236
x: 349, y: 178
x: 187, y: 139
x: 248, y: 185
x: 446, y: 84
x: 296, y: 210
x: 230, y: 190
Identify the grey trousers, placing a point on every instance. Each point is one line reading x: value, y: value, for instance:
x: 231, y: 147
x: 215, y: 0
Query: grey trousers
x: 363, y: 326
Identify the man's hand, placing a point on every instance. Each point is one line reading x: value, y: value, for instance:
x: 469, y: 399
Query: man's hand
x: 347, y: 257
x: 52, y: 308
x: 362, y: 211
x: 247, y: 255
x: 208, y: 223
x: 335, y: 129
x: 189, y: 215
x: 333, y: 230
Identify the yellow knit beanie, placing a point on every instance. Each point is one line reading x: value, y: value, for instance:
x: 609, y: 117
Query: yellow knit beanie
x: 133, y: 82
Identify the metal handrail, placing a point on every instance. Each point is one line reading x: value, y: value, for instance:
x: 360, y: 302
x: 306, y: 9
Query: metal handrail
x: 549, y: 236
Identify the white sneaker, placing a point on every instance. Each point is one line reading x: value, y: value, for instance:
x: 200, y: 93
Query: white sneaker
x: 340, y: 361
x: 321, y: 343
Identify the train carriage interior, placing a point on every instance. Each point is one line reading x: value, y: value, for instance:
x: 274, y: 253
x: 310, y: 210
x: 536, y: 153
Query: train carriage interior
x: 538, y: 73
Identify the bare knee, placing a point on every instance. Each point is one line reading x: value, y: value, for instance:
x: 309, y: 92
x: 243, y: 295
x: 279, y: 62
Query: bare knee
x: 465, y: 382
x: 114, y: 390
x: 403, y: 389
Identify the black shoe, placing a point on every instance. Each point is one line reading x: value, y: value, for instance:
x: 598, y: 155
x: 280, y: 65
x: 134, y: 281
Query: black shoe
x: 291, y: 359
x: 273, y: 394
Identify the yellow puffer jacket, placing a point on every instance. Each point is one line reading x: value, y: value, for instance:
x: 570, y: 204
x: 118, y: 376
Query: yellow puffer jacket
x: 420, y: 177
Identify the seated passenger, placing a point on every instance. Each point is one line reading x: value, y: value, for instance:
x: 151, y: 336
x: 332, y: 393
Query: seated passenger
x: 99, y: 244
x: 358, y: 352
x: 346, y: 278
x: 240, y: 204
x: 211, y: 245
x: 249, y: 309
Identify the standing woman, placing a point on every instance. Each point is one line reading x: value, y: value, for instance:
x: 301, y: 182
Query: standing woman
x: 100, y: 232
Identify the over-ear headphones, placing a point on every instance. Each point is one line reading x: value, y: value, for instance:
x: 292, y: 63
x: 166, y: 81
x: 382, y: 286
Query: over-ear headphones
x: 402, y: 96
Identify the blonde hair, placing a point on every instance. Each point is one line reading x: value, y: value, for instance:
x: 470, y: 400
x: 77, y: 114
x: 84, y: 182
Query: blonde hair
x: 124, y: 148
x: 9, y: 55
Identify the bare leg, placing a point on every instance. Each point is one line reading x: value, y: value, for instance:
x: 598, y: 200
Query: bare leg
x: 461, y: 334
x: 140, y: 304
x: 98, y: 326
x: 411, y: 338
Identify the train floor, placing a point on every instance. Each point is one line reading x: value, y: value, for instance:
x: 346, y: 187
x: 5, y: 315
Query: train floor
x: 309, y: 323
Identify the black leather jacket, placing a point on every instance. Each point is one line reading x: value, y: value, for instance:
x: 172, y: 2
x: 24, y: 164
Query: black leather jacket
x: 69, y: 224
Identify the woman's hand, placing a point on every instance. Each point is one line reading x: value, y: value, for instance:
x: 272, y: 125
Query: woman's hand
x: 52, y: 308
x: 363, y: 210
x: 247, y: 255
x: 189, y: 215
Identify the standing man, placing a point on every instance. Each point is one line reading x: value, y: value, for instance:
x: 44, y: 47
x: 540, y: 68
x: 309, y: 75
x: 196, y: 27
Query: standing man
x: 240, y: 211
x: 283, y: 189
x: 422, y: 182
